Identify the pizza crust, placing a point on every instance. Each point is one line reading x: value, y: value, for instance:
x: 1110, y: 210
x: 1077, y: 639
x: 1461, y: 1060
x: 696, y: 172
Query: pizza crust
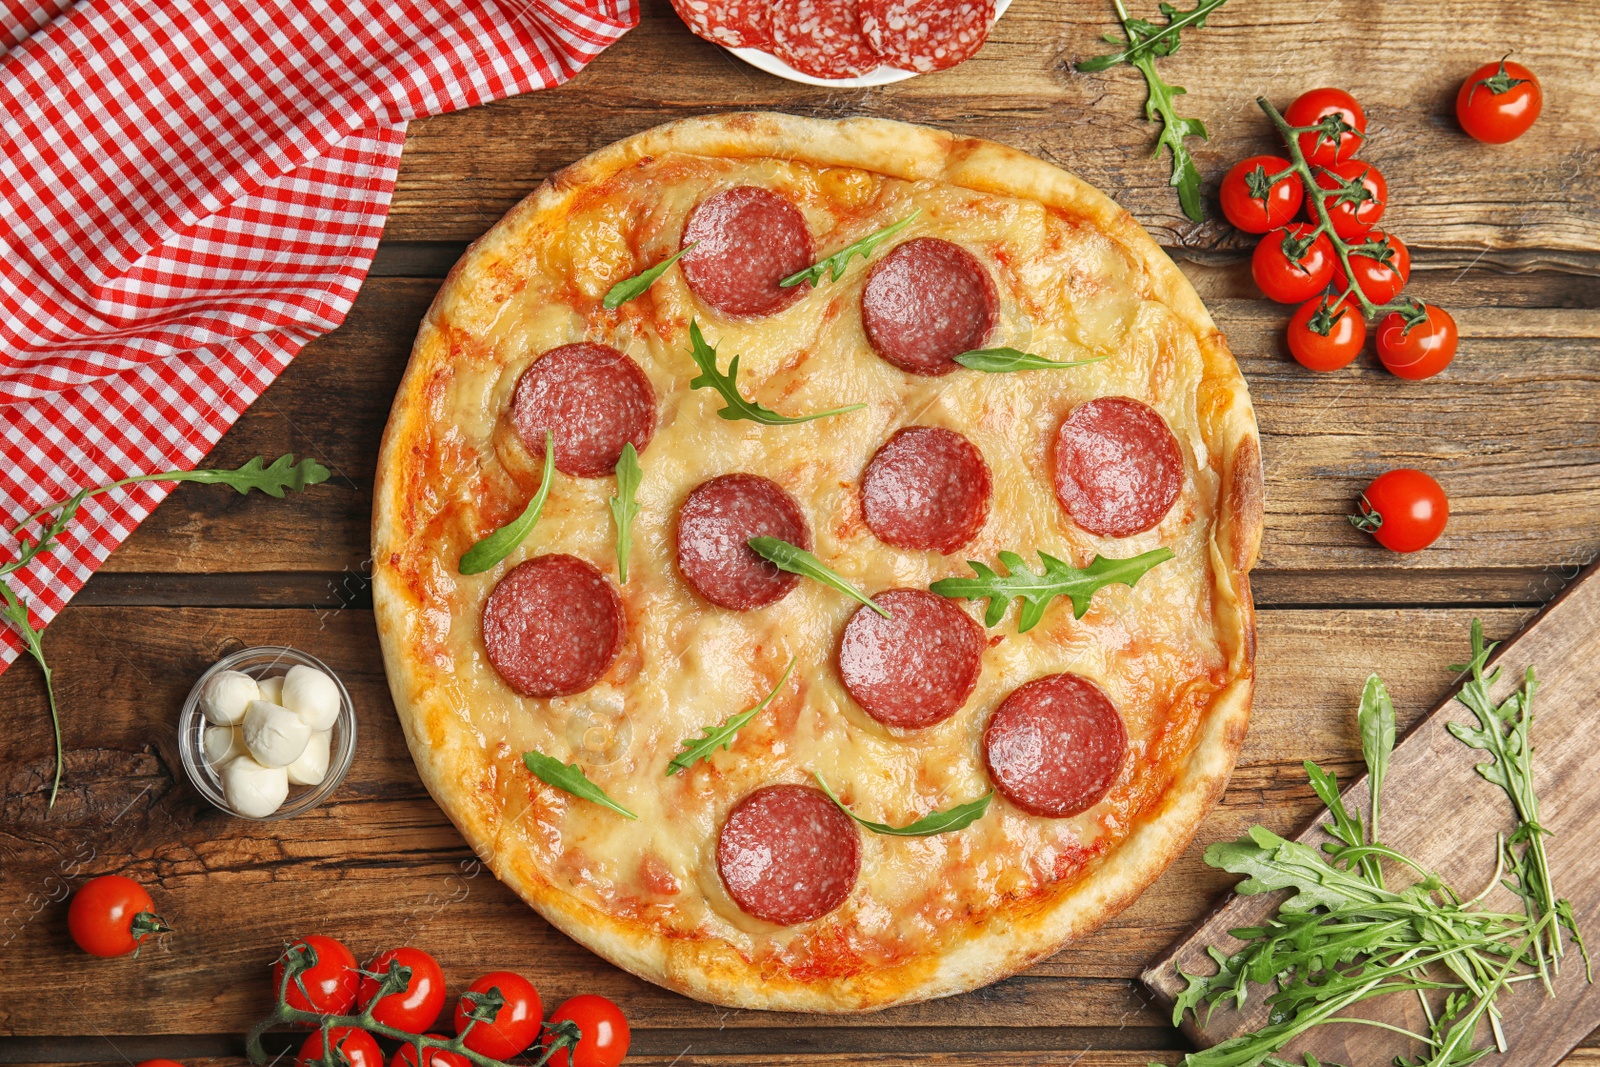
x: 443, y: 745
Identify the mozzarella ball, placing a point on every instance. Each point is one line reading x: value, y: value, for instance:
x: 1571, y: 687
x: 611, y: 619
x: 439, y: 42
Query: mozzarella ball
x: 223, y: 743
x: 252, y: 789
x: 311, y: 767
x: 226, y: 696
x: 311, y: 695
x: 274, y: 735
x: 272, y: 689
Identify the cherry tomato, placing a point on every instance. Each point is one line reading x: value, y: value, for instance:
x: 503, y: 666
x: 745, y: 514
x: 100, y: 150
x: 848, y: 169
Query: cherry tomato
x: 1325, y: 149
x: 1419, y: 351
x: 1381, y: 279
x: 112, y: 915
x: 517, y: 1024
x: 1404, y: 509
x: 331, y: 981
x: 406, y: 1056
x: 605, y: 1032
x: 1498, y: 102
x: 1254, y: 205
x: 1324, y: 337
x: 1287, y: 268
x: 356, y: 1046
x: 414, y: 1008
x: 1352, y: 218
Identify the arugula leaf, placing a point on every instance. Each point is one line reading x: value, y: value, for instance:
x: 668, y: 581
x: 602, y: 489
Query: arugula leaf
x: 1003, y: 360
x: 16, y: 613
x: 628, y: 288
x: 1375, y: 721
x: 569, y: 778
x: 696, y: 749
x: 935, y: 822
x: 624, y: 506
x: 836, y: 263
x: 1059, y: 579
x: 1146, y: 42
x: 796, y: 560
x: 498, y: 545
x: 1271, y: 862
x: 737, y: 407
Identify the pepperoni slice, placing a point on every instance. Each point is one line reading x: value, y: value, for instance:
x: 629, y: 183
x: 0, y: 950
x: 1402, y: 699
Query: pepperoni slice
x: 788, y: 855
x: 1118, y: 468
x: 1055, y: 746
x: 927, y: 302
x: 750, y: 239
x: 927, y: 488
x: 593, y: 398
x: 553, y: 626
x: 916, y: 668
x: 926, y: 35
x: 822, y: 38
x: 734, y: 23
x: 714, y: 529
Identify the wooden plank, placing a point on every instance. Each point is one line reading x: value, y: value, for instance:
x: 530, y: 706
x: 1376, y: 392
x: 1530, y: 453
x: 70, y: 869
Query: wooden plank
x: 462, y: 171
x: 1438, y: 811
x: 380, y: 863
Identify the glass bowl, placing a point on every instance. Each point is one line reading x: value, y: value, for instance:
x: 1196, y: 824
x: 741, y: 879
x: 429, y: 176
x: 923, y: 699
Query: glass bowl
x: 265, y: 661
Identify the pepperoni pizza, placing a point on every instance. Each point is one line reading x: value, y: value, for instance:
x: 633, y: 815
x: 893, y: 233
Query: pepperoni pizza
x: 717, y: 694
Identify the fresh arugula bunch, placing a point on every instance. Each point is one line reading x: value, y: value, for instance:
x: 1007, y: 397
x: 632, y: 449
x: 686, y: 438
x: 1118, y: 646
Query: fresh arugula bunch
x: 1343, y: 935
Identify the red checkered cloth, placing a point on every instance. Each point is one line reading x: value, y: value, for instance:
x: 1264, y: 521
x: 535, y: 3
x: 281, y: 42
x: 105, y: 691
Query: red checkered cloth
x: 191, y: 191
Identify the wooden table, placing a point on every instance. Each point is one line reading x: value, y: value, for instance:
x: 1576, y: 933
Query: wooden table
x: 1507, y: 238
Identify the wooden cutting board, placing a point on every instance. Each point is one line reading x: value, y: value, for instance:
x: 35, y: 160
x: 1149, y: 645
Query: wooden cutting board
x: 1437, y: 810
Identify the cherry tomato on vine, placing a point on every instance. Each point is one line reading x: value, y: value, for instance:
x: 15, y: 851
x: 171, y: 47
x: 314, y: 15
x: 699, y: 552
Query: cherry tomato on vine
x: 414, y: 1008
x: 1404, y: 510
x: 1323, y: 149
x: 112, y: 915
x: 1254, y: 204
x: 1352, y: 217
x: 517, y: 1024
x: 1419, y: 351
x: 1498, y: 102
x: 605, y: 1032
x: 356, y: 1045
x: 1380, y: 277
x: 331, y: 981
x: 406, y: 1056
x: 1290, y: 267
x: 1323, y: 337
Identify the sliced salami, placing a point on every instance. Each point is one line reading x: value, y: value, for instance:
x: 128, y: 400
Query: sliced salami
x: 822, y: 38
x: 593, y: 398
x: 749, y: 239
x: 553, y: 626
x: 1055, y: 746
x: 1118, y: 467
x: 927, y: 302
x: 926, y: 35
x: 714, y: 529
x: 916, y: 668
x: 734, y: 23
x: 927, y: 488
x: 788, y: 855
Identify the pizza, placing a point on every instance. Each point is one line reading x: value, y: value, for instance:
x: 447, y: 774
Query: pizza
x: 826, y: 645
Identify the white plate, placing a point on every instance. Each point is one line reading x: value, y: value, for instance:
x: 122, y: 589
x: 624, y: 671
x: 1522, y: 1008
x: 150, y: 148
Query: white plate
x: 884, y: 75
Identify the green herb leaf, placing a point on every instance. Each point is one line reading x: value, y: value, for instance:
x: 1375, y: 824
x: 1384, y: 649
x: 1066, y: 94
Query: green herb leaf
x: 624, y: 506
x: 836, y: 263
x: 737, y: 407
x: 1375, y: 721
x: 935, y: 822
x: 1004, y: 360
x: 712, y: 738
x: 16, y: 613
x: 569, y: 778
x: 1152, y: 39
x: 628, y: 288
x: 1059, y: 579
x: 498, y: 545
x: 796, y: 560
